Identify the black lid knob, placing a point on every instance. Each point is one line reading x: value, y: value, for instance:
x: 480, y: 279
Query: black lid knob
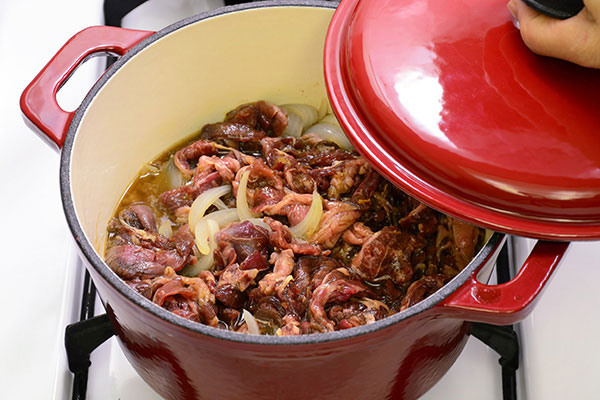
x: 556, y: 8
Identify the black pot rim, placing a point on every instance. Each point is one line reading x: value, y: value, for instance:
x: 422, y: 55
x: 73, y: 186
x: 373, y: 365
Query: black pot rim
x: 107, y: 274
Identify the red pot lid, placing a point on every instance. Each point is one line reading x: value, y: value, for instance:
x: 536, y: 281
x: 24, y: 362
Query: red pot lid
x: 446, y: 101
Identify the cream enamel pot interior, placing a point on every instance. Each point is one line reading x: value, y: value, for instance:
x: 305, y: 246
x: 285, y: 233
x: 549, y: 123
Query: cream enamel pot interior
x: 164, y: 88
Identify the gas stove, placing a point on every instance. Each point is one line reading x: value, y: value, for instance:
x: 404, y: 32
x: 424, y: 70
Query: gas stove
x: 558, y: 342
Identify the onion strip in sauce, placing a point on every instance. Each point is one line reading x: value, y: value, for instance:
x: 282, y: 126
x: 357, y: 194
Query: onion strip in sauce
x: 251, y: 323
x: 202, y: 202
x: 242, y: 200
x: 309, y: 224
x: 331, y: 133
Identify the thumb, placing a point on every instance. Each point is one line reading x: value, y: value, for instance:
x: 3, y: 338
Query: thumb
x: 547, y: 36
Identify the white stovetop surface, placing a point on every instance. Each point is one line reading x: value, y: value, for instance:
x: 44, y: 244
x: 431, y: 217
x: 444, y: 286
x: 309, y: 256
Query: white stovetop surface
x: 560, y: 342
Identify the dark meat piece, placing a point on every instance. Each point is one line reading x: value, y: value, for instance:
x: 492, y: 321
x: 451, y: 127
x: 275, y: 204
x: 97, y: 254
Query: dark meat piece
x: 337, y: 286
x: 465, y: 237
x: 365, y: 190
x: 277, y: 280
x: 203, y: 180
x: 421, y: 289
x: 191, y: 298
x: 184, y: 243
x: 230, y: 316
x: 231, y: 131
x: 139, y: 217
x: 357, y: 234
x: 261, y: 115
x: 176, y: 198
x: 294, y: 206
x: 338, y: 217
x: 423, y: 218
x: 299, y: 180
x: 266, y: 308
x: 131, y: 261
x: 310, y: 271
x: 346, y: 176
x: 282, y: 238
x: 143, y: 287
x: 247, y: 241
x: 357, y: 313
x: 233, y: 281
x: 265, y: 186
x: 387, y: 252
x: 187, y: 158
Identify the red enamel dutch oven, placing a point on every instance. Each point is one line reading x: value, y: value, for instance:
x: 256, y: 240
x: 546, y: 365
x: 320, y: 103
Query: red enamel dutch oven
x: 164, y: 87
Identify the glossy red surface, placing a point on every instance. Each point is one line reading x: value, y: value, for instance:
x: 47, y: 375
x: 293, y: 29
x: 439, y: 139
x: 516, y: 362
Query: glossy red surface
x: 447, y: 102
x: 510, y: 302
x: 38, y: 101
x: 400, y: 363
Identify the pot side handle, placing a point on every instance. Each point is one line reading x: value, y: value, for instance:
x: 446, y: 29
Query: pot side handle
x: 38, y: 101
x: 510, y: 302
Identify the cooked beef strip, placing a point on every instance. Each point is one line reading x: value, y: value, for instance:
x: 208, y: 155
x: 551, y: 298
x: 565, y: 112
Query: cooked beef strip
x: 394, y: 250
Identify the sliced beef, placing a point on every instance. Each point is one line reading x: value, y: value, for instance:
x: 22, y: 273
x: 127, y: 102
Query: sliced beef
x: 338, y: 217
x: 244, y: 243
x: 421, y: 289
x: 281, y: 237
x: 387, y: 252
x: 262, y: 116
x: 337, y: 286
x: 231, y: 131
x: 187, y: 158
x: 357, y: 234
x: 132, y: 261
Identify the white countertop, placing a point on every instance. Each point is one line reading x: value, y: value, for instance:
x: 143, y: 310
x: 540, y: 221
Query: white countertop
x: 34, y: 237
x: 560, y: 355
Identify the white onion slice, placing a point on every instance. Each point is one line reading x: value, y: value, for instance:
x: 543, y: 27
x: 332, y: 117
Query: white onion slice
x: 205, y: 261
x: 224, y: 217
x: 331, y: 133
x: 242, y: 202
x: 220, y: 204
x: 202, y: 202
x: 294, y: 126
x: 309, y: 224
x: 174, y: 175
x: 308, y: 114
x: 251, y: 323
x: 165, y: 227
x: 202, y: 236
x: 330, y: 119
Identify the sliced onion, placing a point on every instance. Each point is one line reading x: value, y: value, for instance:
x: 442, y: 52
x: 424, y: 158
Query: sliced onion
x: 174, y: 175
x: 202, y: 202
x: 220, y: 204
x: 242, y: 202
x: 294, y: 126
x: 165, y: 227
x: 331, y: 133
x: 207, y: 261
x: 224, y: 217
x: 309, y: 224
x: 251, y: 323
x: 308, y: 114
x: 202, y: 234
x: 330, y: 119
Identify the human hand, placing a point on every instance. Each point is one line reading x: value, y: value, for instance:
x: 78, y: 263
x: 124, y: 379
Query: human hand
x: 576, y: 39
